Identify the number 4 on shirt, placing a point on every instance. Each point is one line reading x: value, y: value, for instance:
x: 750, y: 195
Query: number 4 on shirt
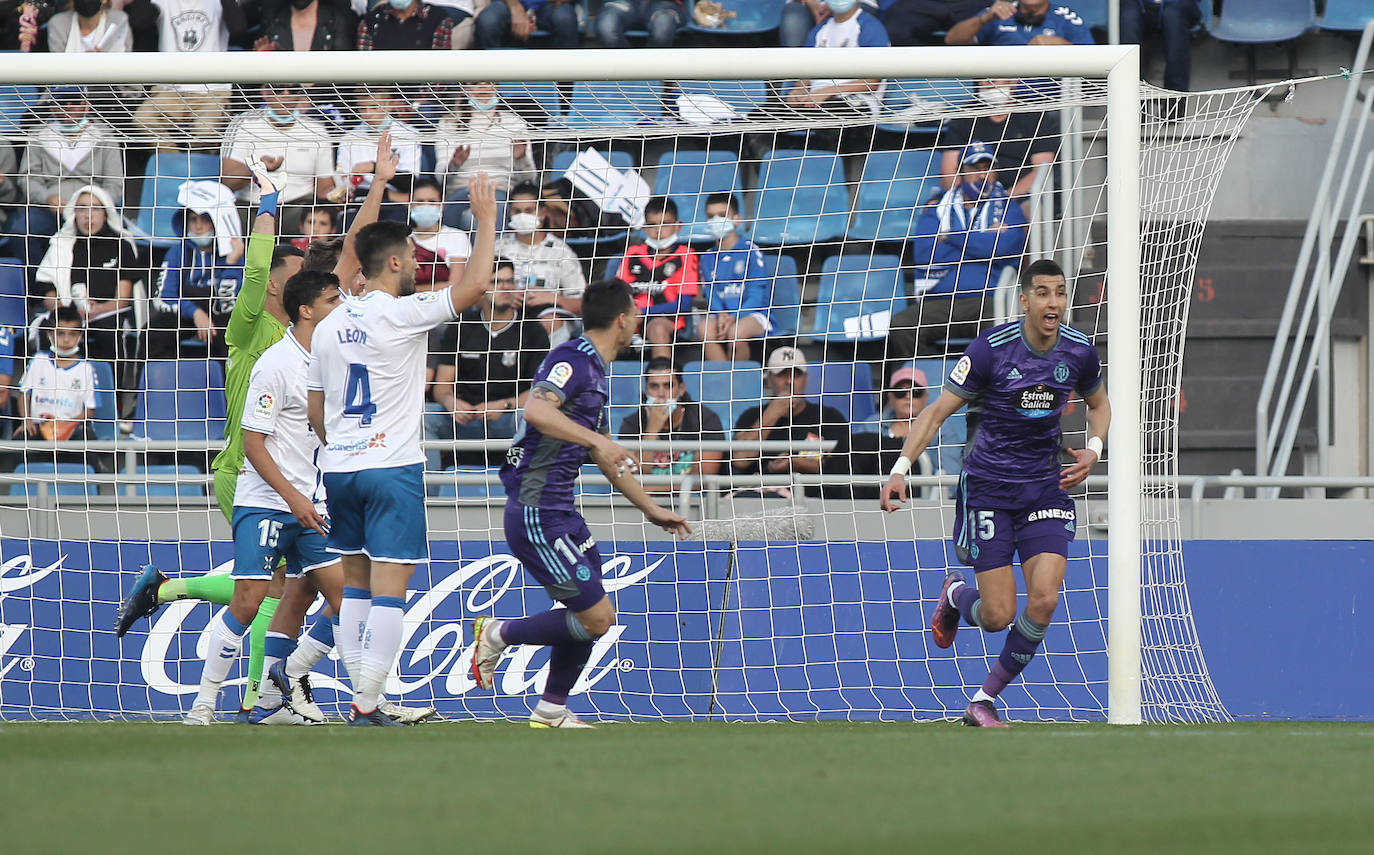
x: 358, y: 395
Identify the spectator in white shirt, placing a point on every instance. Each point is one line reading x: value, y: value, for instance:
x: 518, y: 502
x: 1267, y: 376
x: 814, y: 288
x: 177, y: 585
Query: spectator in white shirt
x: 90, y: 26
x: 190, y: 114
x: 546, y: 268
x: 58, y: 390
x: 377, y: 109
x: 481, y: 134
x: 291, y: 146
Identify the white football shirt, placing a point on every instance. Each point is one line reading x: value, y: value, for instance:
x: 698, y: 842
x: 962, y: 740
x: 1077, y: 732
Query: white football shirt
x: 278, y: 407
x: 59, y: 393
x: 368, y: 357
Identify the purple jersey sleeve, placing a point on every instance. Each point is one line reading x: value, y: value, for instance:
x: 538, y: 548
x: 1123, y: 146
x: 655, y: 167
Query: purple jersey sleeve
x: 970, y: 374
x: 1089, y: 372
x: 565, y: 372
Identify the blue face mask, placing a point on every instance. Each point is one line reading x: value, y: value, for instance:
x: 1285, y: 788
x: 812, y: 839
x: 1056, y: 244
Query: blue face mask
x: 71, y: 127
x: 386, y: 123
x: 202, y: 241
x: 484, y: 106
x: 839, y: 7
x: 426, y: 216
x: 400, y: 5
x: 282, y: 118
x: 973, y: 190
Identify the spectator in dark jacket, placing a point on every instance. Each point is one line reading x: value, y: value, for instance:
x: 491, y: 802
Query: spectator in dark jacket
x: 413, y: 26
x: 331, y: 23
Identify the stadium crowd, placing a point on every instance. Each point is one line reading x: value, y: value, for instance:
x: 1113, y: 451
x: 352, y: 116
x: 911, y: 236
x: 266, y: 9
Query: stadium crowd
x: 107, y: 279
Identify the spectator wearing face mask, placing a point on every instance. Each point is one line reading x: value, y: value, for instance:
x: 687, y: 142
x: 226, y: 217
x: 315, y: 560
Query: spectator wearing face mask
x: 58, y: 391
x: 734, y: 285
x: 547, y: 270
x: 480, y: 133
x: 964, y: 240
x: 799, y: 17
x: 201, y: 275
x: 664, y: 274
x: 847, y: 26
x: 377, y: 109
x: 1024, y: 143
x: 670, y: 415
x: 72, y: 149
x: 405, y: 25
x: 1027, y: 22
x: 291, y: 145
x: 441, y: 252
x: 90, y: 26
x: 307, y: 25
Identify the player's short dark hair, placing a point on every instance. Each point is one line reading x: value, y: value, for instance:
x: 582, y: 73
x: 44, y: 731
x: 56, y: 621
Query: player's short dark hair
x: 67, y: 315
x: 1043, y: 267
x: 524, y: 188
x: 305, y: 288
x: 662, y: 206
x: 605, y: 301
x: 323, y: 254
x: 282, y: 252
x: 729, y: 200
x: 377, y: 242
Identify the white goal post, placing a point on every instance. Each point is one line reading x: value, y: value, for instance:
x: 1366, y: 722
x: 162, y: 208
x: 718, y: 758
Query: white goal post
x: 1117, y: 65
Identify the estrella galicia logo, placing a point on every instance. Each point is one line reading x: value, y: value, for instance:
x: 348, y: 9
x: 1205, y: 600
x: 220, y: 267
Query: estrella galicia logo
x: 1061, y: 372
x: 584, y: 573
x: 1037, y: 401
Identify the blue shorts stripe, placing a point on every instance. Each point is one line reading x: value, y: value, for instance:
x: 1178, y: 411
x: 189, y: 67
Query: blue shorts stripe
x: 560, y: 573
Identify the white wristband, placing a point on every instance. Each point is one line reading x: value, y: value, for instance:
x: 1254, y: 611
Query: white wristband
x: 1095, y: 446
x: 902, y: 466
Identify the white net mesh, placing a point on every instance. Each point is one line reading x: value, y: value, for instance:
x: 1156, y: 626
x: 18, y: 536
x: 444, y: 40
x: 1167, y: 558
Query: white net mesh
x: 799, y: 599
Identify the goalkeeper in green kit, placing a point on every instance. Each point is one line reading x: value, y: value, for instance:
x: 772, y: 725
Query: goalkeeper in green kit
x: 257, y: 322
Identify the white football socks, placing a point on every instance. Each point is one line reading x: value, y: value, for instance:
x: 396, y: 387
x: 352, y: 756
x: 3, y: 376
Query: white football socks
x: 381, y: 643
x: 353, y: 612
x: 221, y: 651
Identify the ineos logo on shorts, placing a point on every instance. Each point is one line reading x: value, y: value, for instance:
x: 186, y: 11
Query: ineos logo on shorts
x: 1049, y: 514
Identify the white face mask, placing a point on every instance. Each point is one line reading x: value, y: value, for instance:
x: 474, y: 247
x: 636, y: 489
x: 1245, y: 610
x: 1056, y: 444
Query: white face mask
x: 202, y: 241
x: 670, y: 403
x: 660, y: 244
x: 523, y: 224
x: 995, y: 96
x: 719, y: 227
x: 65, y: 352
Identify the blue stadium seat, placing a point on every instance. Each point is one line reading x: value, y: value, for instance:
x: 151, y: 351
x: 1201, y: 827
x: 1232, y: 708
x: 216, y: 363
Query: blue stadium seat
x: 743, y: 96
x: 544, y: 93
x: 802, y: 198
x: 846, y: 386
x: 163, y: 177
x: 904, y: 93
x: 14, y: 312
x: 54, y: 488
x: 786, y: 293
x: 604, y: 104
x: 690, y: 176
x: 1259, y: 23
x: 751, y: 17
x: 892, y: 189
x: 472, y: 491
x: 15, y: 102
x: 627, y: 391
x: 105, y: 422
x: 163, y: 488
x: 947, y: 451
x: 726, y: 388
x: 1345, y: 16
x: 855, y: 289
x: 182, y: 399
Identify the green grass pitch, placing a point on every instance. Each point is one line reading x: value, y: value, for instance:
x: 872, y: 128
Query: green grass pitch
x: 687, y: 788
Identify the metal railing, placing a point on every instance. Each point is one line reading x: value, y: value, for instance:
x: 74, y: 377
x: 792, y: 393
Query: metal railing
x: 1276, y: 431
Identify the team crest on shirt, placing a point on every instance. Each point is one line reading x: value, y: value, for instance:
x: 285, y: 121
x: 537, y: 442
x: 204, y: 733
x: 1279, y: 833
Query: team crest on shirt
x: 262, y: 407
x: 560, y: 374
x: 960, y: 372
x: 1061, y: 372
x: 191, y: 28
x: 509, y: 357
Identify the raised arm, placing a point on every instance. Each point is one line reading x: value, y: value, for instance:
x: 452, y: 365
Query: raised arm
x: 384, y: 169
x: 920, y: 435
x: 481, y: 265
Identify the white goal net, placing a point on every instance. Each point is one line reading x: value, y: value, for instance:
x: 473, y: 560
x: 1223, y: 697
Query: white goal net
x: 865, y: 237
